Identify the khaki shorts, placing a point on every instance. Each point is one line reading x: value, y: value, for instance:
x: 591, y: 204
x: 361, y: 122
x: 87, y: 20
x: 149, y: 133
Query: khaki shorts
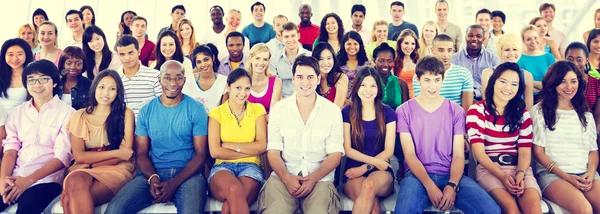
x: 489, y: 182
x: 275, y: 198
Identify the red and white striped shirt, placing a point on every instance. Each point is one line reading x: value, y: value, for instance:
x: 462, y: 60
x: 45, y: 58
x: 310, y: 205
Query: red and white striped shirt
x: 497, y: 138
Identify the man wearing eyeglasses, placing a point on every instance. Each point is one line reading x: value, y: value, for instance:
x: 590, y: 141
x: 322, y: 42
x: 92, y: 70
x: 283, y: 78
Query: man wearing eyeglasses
x: 171, y: 149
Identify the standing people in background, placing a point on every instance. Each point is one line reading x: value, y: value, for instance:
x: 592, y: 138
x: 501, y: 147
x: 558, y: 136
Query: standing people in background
x: 14, y: 56
x: 36, y: 151
x: 258, y: 31
x: 475, y: 57
x: 483, y: 18
x: 394, y: 89
x: 305, y: 146
x: 509, y: 48
x: 139, y: 25
x: 331, y: 31
x: 369, y: 137
x: 276, y: 44
x: 547, y: 11
x: 565, y: 143
x: 125, y: 25
x: 39, y: 16
x: 578, y: 54
x: 74, y: 87
x: 235, y: 42
x: 204, y: 84
x: 429, y: 31
x: 102, y: 143
x: 28, y: 33
x: 141, y: 83
x: 458, y: 81
x: 498, y: 21
x: 266, y: 87
x: 432, y: 132
x: 282, y: 63
x: 74, y: 21
x: 187, y: 36
x: 546, y: 44
x: 500, y: 132
x: 234, y: 17
x: 533, y: 58
x: 407, y: 55
x: 353, y: 56
x: 586, y: 34
x: 398, y: 25
x: 98, y: 54
x: 169, y: 48
x: 333, y: 84
x: 177, y: 13
x: 236, y: 177
x: 378, y: 37
x: 358, y: 14
x: 309, y: 31
x: 89, y: 17
x: 171, y: 135
x: 441, y: 10
x: 48, y: 34
x: 593, y: 45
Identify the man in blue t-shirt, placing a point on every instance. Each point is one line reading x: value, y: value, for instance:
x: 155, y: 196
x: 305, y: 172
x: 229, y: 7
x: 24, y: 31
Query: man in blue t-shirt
x: 398, y: 25
x: 171, y: 135
x: 259, y: 31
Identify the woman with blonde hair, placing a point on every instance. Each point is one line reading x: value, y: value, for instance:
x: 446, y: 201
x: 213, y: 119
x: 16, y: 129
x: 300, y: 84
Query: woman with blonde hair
x: 546, y: 44
x: 509, y: 48
x: 428, y: 32
x: 266, y: 87
x: 596, y: 24
x: 379, y: 35
x: 187, y: 36
x: 533, y: 59
x: 27, y: 32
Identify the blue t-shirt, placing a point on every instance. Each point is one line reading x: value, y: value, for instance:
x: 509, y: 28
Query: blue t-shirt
x: 258, y: 34
x: 172, y: 130
x: 370, y: 145
x: 536, y: 65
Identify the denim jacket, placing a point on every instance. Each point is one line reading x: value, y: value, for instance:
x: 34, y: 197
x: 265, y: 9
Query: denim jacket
x: 79, y: 93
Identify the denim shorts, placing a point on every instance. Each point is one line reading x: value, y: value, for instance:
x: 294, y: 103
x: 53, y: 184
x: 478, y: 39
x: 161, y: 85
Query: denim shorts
x: 546, y: 178
x: 250, y: 170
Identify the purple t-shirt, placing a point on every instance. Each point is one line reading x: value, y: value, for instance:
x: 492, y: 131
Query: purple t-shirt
x: 432, y: 132
x: 370, y: 145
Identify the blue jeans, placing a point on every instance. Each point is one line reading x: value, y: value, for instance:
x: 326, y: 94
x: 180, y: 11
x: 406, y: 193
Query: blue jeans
x: 190, y: 196
x: 471, y: 198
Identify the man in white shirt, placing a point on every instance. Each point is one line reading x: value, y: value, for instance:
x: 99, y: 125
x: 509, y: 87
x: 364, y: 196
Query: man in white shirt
x: 358, y: 14
x: 276, y: 44
x: 547, y: 11
x: 305, y: 146
x: 73, y: 19
x: 281, y: 63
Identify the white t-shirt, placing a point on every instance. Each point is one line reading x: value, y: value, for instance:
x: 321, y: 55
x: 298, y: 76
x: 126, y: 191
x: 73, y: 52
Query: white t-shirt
x: 210, y: 98
x: 16, y: 96
x: 219, y: 41
x: 67, y: 99
x: 3, y: 115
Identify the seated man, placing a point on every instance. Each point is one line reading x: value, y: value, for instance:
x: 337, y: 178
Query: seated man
x: 432, y: 132
x: 170, y: 150
x: 305, y: 146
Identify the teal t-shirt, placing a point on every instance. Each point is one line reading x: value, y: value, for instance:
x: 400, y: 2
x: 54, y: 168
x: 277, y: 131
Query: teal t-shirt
x: 258, y: 34
x: 172, y: 130
x: 536, y: 65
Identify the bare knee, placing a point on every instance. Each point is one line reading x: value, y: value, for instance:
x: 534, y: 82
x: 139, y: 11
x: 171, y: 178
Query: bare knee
x: 368, y: 187
x: 235, y: 189
x: 76, y: 182
x: 581, y: 207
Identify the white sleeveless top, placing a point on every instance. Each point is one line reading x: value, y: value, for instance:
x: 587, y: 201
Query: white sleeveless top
x: 16, y: 96
x: 210, y: 98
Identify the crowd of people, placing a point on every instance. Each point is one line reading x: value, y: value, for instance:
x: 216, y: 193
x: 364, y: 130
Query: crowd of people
x: 268, y: 113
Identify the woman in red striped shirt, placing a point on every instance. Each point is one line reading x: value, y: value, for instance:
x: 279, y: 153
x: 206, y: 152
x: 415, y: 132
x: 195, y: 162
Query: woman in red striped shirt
x: 500, y: 131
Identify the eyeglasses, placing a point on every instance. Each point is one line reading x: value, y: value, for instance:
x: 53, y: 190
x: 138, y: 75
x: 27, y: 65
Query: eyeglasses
x: 42, y: 80
x: 169, y: 79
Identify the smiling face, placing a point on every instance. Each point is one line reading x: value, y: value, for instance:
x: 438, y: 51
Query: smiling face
x: 260, y: 63
x: 352, y: 47
x: 167, y: 47
x: 235, y: 46
x: 595, y: 45
x: 548, y: 14
x: 27, y: 35
x: 542, y: 26
x: 172, y: 82
x: 443, y: 50
x: 258, y: 13
x: 38, y: 19
x: 305, y: 14
x: 326, y: 61
x: 497, y: 23
x: 204, y: 63
x: 234, y: 19
x: 441, y: 10
x: 106, y: 91
x: 138, y: 27
x: 510, y: 54
x: 357, y: 18
x: 47, y: 35
x: 305, y: 81
x: 430, y: 85
x: 381, y: 33
x: 484, y: 20
x: 239, y: 90
x: 578, y: 57
x: 186, y: 31
x: 278, y: 25
x: 73, y: 66
x: 568, y: 87
x: 87, y: 16
x: 40, y: 86
x: 331, y: 26
x: 408, y: 45
x: 531, y: 40
x: 367, y: 90
x: 216, y: 16
x: 74, y: 22
x: 474, y: 38
x: 506, y: 86
x: 384, y: 63
x: 97, y: 43
x: 290, y: 39
x: 15, y: 57
x: 429, y: 32
x: 597, y: 20
x: 128, y: 56
x: 127, y: 19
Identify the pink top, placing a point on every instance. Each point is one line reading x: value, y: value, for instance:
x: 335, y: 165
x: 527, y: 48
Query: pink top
x: 39, y: 137
x: 37, y: 57
x: 265, y: 100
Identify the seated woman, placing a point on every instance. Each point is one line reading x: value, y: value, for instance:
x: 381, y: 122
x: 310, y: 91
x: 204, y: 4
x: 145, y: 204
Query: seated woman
x: 98, y: 54
x: 266, y: 87
x: 187, y: 36
x: 334, y: 83
x: 168, y: 48
x: 546, y: 43
x: 74, y: 86
x: 47, y: 35
x: 533, y: 59
x: 500, y: 132
x: 369, y: 137
x: 14, y: 56
x: 395, y: 90
x: 407, y: 54
x: 353, y: 56
x: 578, y: 53
x: 428, y: 32
x: 237, y: 137
x: 331, y: 31
x: 204, y: 84
x: 37, y: 147
x: 565, y: 141
x: 102, y: 140
x: 378, y: 37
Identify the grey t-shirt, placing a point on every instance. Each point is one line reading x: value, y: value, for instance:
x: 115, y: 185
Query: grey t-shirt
x: 394, y: 31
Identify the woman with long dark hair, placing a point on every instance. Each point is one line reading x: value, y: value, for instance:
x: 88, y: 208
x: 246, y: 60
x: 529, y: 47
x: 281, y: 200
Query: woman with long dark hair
x: 125, y: 24
x: 101, y: 140
x: 334, y: 83
x: 407, y: 55
x: 74, y: 86
x: 89, y: 17
x: 39, y: 16
x: 500, y: 131
x: 15, y: 55
x: 168, y: 48
x: 578, y: 53
x: 352, y: 56
x: 331, y: 31
x: 98, y: 54
x: 395, y: 90
x: 565, y: 141
x: 204, y: 84
x: 369, y: 137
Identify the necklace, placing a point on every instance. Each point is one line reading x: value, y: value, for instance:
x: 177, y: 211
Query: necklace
x: 237, y: 115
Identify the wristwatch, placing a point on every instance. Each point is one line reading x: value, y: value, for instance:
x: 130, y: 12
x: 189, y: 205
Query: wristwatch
x: 369, y: 167
x: 453, y: 185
